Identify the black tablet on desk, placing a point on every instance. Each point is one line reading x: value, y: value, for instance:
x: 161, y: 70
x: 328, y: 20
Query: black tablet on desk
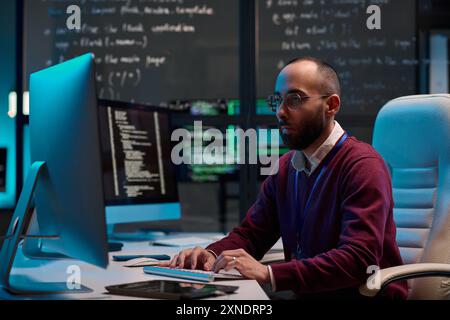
x: 174, y: 290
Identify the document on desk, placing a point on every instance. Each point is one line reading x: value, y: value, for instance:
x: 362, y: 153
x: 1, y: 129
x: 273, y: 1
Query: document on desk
x: 183, y: 242
x: 141, y: 262
x: 272, y: 257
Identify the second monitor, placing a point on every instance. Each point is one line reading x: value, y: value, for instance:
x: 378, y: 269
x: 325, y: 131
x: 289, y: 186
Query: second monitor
x: 138, y: 175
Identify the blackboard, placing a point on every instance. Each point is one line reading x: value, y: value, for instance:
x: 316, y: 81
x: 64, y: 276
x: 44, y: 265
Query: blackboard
x: 374, y: 65
x: 148, y: 51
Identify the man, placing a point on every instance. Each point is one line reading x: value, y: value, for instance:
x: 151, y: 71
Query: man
x: 330, y: 201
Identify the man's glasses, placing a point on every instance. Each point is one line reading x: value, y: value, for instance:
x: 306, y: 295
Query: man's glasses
x: 292, y: 100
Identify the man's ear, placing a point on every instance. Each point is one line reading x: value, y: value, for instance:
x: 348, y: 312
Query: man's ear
x: 334, y: 105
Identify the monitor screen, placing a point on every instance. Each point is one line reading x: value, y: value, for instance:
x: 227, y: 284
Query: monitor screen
x: 138, y: 174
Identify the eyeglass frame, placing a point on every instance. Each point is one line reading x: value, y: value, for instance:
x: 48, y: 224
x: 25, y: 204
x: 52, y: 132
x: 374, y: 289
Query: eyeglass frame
x: 303, y: 99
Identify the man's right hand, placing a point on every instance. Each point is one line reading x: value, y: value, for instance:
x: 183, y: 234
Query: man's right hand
x: 196, y: 258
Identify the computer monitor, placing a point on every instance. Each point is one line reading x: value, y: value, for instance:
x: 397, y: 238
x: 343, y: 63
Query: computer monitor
x: 138, y: 174
x: 65, y: 173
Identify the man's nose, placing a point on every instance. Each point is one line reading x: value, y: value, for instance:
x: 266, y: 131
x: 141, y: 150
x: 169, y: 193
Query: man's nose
x: 281, y: 112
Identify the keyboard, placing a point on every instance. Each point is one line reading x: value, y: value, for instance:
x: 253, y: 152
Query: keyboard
x: 197, y: 275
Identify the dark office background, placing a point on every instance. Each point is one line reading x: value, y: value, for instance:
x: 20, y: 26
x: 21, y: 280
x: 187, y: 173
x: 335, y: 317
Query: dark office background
x: 220, y: 74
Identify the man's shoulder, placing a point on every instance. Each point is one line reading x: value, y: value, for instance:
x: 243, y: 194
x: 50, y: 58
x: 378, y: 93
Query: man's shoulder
x: 354, y: 151
x: 284, y: 162
x: 359, y: 150
x: 286, y: 158
x: 361, y: 165
x: 282, y: 168
x: 360, y: 157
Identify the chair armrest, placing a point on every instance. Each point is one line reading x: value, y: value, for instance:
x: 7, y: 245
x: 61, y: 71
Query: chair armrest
x: 384, y: 277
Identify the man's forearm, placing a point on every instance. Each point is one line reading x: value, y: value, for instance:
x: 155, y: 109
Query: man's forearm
x: 332, y: 270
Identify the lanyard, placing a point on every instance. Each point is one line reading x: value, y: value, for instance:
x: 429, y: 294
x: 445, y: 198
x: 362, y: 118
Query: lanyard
x: 302, y: 218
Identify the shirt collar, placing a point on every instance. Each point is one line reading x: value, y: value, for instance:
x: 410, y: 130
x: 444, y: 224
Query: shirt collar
x: 299, y: 159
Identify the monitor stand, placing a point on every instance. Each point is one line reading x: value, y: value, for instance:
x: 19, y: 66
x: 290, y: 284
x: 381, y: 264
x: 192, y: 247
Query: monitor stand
x: 17, y: 230
x: 34, y: 247
x: 114, y: 246
x: 134, y: 236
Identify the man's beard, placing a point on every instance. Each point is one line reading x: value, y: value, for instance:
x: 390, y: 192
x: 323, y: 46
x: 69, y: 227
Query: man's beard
x: 308, y: 133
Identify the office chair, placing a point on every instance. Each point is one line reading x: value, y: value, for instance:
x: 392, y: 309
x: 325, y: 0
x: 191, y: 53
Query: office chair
x: 412, y: 134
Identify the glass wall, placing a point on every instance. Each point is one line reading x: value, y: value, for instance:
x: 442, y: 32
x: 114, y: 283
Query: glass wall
x: 7, y: 107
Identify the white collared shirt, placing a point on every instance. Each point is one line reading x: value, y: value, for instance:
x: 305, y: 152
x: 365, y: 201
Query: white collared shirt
x: 299, y: 159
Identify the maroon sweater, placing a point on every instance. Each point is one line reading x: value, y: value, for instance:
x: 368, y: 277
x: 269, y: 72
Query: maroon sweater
x: 348, y: 227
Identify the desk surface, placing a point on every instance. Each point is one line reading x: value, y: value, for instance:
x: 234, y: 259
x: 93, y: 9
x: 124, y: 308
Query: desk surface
x: 97, y: 278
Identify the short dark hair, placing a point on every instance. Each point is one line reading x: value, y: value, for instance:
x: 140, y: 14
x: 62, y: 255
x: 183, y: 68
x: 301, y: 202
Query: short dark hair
x: 331, y: 83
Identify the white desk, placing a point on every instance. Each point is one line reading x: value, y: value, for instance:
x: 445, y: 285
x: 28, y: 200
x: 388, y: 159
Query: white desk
x: 97, y: 278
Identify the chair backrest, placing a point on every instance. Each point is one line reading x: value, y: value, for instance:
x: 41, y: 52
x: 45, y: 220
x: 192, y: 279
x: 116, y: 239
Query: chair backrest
x: 412, y: 134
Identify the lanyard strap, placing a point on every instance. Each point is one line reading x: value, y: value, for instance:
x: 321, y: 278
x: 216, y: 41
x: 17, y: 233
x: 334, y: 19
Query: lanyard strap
x: 330, y: 156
